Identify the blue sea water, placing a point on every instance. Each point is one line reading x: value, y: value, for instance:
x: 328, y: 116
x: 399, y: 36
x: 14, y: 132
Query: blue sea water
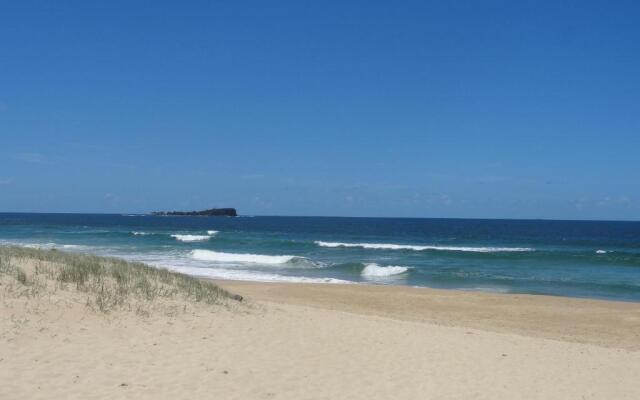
x: 595, y: 259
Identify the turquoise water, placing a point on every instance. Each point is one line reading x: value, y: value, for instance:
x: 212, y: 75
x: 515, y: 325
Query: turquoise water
x: 595, y: 259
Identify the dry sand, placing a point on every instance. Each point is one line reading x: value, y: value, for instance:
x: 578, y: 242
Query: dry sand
x: 605, y: 323
x: 299, y: 341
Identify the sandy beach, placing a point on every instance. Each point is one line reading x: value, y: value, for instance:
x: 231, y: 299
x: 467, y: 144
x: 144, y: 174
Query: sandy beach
x: 559, y: 318
x: 304, y: 341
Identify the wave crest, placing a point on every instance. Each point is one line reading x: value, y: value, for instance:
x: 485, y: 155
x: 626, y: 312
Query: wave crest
x: 248, y: 258
x: 191, y: 238
x: 391, y: 246
x: 375, y: 270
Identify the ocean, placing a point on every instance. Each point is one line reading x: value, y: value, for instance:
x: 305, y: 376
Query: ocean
x: 592, y: 259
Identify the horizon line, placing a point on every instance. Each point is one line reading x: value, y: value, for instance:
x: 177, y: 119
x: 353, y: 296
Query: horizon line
x: 323, y: 216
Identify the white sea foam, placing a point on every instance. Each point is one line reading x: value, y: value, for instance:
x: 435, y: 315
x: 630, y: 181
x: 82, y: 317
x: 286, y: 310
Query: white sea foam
x: 212, y: 233
x: 390, y: 246
x: 216, y: 256
x: 243, y: 275
x: 375, y: 270
x: 38, y: 245
x: 191, y: 238
x: 219, y: 270
x: 74, y: 246
x: 601, y: 252
x: 136, y: 233
x: 45, y: 246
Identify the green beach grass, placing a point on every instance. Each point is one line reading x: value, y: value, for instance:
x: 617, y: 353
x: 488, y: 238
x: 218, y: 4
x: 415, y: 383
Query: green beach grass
x: 107, y: 283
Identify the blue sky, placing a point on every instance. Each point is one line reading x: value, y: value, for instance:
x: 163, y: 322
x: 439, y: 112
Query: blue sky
x: 419, y: 109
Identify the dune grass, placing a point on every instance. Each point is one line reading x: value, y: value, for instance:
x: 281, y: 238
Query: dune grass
x: 108, y: 283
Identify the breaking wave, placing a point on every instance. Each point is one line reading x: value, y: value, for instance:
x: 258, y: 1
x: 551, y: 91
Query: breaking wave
x: 191, y: 238
x: 255, y: 276
x: 248, y: 258
x: 183, y: 237
x: 390, y: 246
x: 375, y: 270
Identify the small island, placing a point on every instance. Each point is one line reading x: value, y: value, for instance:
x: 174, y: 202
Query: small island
x: 212, y: 212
